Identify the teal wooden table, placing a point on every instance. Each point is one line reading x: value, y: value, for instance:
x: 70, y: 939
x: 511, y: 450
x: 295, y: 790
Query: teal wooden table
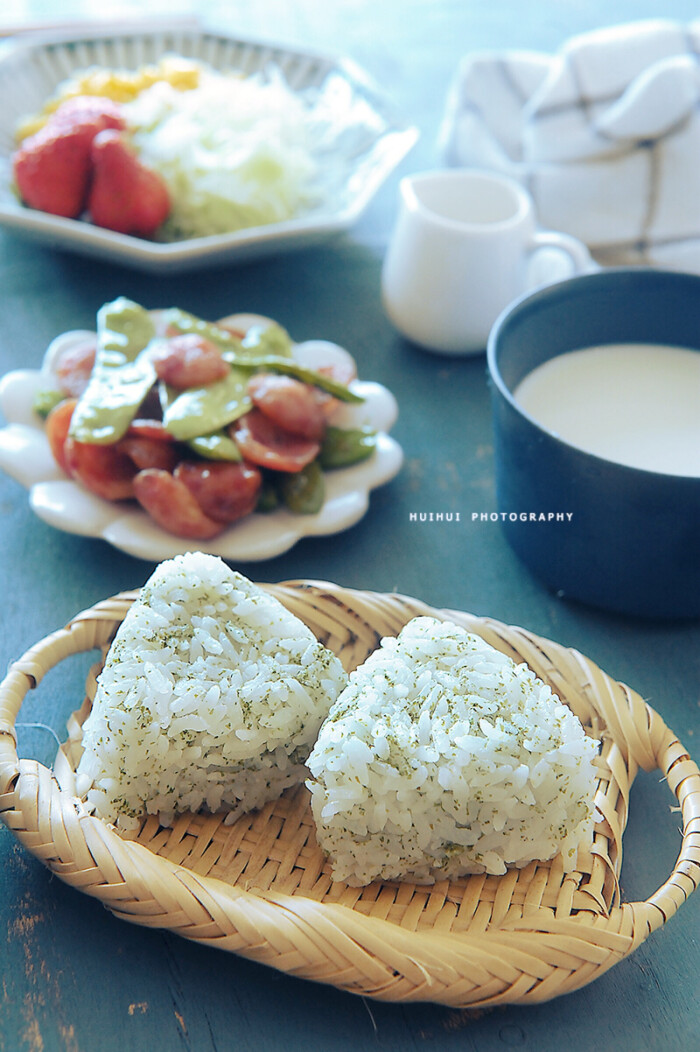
x: 75, y: 979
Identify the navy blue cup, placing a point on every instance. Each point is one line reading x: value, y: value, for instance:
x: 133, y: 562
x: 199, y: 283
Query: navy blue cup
x: 629, y: 539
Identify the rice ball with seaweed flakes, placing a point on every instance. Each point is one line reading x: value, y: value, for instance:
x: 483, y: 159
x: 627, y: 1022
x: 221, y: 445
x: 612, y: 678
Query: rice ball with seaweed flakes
x: 443, y: 757
x: 211, y: 696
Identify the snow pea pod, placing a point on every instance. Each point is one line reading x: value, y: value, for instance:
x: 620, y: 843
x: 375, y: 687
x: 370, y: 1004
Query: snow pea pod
x: 121, y: 377
x: 198, y: 411
x: 217, y: 446
x: 268, y: 498
x: 259, y: 340
x: 202, y: 410
x: 47, y: 399
x: 303, y: 492
x: 264, y: 347
x: 342, y: 446
x: 287, y: 366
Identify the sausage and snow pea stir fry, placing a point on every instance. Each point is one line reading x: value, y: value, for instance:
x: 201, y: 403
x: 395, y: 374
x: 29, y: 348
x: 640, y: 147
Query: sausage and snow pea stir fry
x: 201, y: 423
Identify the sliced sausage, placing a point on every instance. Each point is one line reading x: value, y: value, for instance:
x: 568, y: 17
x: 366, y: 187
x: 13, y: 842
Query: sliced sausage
x: 169, y: 502
x: 264, y: 443
x: 189, y: 360
x: 289, y: 403
x: 224, y: 491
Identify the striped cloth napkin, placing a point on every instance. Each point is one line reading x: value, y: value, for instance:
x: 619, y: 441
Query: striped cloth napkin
x: 605, y: 135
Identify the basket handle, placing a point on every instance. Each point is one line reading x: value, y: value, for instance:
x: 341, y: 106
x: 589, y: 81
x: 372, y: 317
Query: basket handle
x: 86, y: 631
x: 683, y: 777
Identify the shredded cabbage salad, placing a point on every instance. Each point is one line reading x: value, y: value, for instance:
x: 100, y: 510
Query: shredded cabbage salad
x: 235, y: 152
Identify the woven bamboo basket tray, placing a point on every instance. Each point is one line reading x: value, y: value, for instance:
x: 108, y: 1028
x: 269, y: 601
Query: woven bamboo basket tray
x: 261, y: 887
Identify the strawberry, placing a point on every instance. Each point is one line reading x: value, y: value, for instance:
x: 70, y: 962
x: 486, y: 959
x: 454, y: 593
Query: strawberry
x: 88, y: 111
x: 52, y: 168
x: 52, y: 171
x: 125, y: 195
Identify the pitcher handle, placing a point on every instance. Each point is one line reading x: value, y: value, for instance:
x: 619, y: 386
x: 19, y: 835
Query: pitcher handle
x: 581, y: 260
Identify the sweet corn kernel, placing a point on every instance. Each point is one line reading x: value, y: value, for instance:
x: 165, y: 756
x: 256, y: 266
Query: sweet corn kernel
x: 118, y: 85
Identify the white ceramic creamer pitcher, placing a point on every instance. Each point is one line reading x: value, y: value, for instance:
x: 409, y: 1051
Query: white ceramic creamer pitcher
x: 465, y: 245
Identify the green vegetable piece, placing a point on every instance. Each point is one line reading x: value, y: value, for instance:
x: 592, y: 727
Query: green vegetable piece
x: 269, y: 339
x: 260, y: 339
x: 289, y: 367
x: 200, y: 411
x: 342, y: 447
x: 121, y: 377
x: 268, y: 498
x: 183, y: 322
x: 46, y: 400
x: 303, y: 492
x: 217, y: 446
x: 265, y: 347
x: 124, y: 328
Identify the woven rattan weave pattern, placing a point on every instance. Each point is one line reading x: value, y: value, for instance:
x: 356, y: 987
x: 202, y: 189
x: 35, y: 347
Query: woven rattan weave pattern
x: 261, y: 886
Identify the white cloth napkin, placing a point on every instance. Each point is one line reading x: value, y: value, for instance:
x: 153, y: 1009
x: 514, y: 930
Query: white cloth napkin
x: 605, y: 135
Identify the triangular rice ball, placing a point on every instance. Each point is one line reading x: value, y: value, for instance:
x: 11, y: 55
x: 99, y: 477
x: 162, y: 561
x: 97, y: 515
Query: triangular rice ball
x: 442, y: 757
x: 211, y: 696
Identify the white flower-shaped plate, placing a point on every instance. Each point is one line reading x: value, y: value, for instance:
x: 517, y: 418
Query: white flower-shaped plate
x: 57, y: 500
x: 363, y: 141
